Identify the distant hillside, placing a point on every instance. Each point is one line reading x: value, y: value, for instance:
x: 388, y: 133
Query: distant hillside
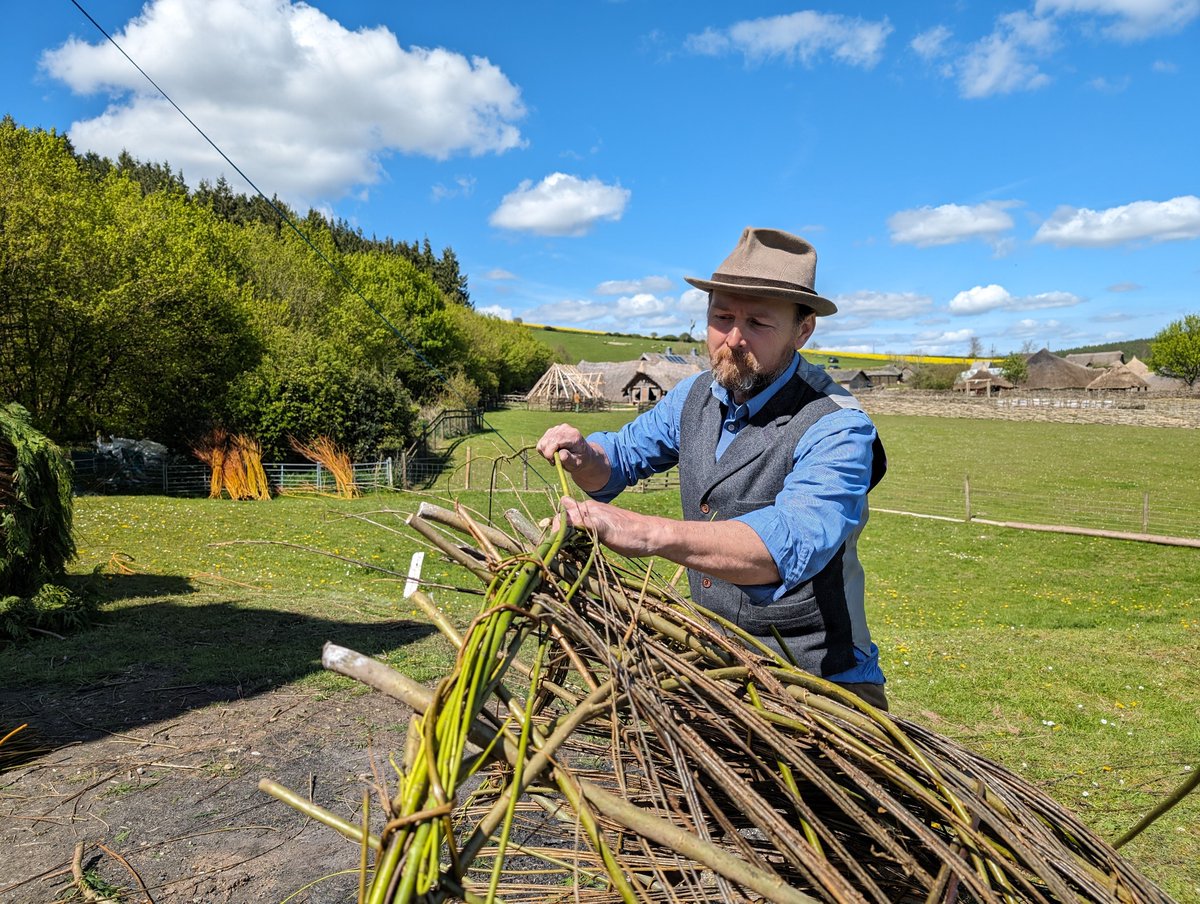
x: 573, y: 345
x: 1131, y: 347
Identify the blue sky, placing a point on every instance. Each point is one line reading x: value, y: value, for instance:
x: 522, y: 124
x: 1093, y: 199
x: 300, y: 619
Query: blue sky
x: 1025, y: 174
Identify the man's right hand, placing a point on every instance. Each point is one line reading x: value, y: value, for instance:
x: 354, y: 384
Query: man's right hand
x: 567, y: 444
x: 587, y: 464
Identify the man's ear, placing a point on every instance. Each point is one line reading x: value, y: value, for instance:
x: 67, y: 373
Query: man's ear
x: 804, y: 329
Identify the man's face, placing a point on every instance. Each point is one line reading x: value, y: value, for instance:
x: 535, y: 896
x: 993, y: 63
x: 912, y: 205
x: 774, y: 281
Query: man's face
x: 751, y: 340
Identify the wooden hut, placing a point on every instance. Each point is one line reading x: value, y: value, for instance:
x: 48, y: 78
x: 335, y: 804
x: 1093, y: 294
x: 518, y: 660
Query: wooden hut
x: 653, y: 380
x: 888, y: 375
x: 850, y: 379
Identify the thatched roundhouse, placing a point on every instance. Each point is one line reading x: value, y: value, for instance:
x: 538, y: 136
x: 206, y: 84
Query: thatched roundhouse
x: 1119, y: 378
x: 1048, y: 371
x: 1101, y: 360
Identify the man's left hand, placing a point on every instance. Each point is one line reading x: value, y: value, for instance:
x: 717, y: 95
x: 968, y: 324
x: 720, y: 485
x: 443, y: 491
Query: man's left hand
x: 624, y: 532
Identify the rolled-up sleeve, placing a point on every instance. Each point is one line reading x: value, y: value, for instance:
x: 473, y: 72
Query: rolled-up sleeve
x: 823, y: 501
x: 649, y: 444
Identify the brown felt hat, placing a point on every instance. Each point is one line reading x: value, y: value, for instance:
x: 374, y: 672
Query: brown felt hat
x: 770, y: 263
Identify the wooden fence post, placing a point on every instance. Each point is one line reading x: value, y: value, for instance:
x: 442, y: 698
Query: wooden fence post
x: 525, y: 469
x: 404, y: 469
x: 1146, y: 512
x: 967, y: 495
x: 468, y: 481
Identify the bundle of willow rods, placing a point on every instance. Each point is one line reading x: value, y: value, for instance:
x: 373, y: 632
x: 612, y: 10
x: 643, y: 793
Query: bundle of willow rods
x: 601, y: 739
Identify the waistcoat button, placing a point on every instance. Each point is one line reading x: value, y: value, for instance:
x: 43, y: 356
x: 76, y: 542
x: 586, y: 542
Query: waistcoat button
x: 704, y: 507
x: 706, y: 582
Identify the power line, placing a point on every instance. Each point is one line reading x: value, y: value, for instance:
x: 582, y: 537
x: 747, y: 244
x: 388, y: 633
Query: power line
x: 337, y: 271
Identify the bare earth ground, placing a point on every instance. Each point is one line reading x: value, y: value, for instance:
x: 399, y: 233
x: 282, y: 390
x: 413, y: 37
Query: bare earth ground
x: 167, y: 776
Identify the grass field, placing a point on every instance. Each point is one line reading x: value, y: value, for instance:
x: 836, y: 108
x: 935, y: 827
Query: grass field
x: 1068, y: 659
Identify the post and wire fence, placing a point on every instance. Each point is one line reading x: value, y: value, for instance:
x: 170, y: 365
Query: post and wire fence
x: 1151, y: 513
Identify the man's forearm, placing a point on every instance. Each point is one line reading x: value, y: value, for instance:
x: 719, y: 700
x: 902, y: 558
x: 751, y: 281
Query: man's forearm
x: 729, y: 550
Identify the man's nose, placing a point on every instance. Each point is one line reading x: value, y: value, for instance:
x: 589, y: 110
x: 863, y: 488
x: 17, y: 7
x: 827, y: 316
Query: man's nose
x: 734, y: 337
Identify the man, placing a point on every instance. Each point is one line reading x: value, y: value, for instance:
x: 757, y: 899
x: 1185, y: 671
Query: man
x: 775, y: 462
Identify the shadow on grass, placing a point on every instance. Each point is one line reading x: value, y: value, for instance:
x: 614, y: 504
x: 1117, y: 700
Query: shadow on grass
x: 155, y: 661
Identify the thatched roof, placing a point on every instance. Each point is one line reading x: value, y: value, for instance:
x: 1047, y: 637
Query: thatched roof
x: 612, y: 376
x: 1097, y: 359
x: 664, y: 374
x: 1049, y: 371
x: 1118, y: 377
x: 1138, y: 366
x: 888, y: 370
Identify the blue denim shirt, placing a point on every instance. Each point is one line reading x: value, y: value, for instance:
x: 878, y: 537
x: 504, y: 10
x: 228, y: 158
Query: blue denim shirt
x: 823, y: 500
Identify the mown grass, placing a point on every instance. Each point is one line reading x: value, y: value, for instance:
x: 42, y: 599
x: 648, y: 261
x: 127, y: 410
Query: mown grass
x: 1071, y: 660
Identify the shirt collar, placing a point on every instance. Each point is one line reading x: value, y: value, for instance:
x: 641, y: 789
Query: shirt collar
x: 755, y: 403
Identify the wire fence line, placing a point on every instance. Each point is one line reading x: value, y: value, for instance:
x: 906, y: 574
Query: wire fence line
x: 1153, y: 511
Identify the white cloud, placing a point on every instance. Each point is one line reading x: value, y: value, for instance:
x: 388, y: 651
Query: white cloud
x: 980, y: 299
x: 295, y: 99
x: 931, y: 44
x: 494, y: 310
x: 463, y: 187
x: 798, y: 37
x: 1125, y: 287
x: 560, y: 205
x: 1001, y: 63
x: 1133, y: 19
x: 694, y: 301
x: 932, y: 343
x: 633, y: 286
x: 1155, y: 221
x: 949, y: 223
x: 499, y: 274
x: 1165, y: 67
x: 644, y: 304
x: 567, y: 311
x: 882, y: 305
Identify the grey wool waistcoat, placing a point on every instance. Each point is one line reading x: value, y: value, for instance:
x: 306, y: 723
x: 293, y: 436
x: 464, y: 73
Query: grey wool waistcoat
x: 818, y: 622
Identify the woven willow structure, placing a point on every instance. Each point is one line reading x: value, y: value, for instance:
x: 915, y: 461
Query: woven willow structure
x: 601, y: 740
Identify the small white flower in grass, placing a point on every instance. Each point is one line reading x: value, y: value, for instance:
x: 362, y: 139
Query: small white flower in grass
x: 1087, y: 793
x: 1047, y: 722
x: 1104, y: 721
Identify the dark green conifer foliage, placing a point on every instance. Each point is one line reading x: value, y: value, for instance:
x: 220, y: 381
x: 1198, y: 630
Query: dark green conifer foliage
x: 36, y: 539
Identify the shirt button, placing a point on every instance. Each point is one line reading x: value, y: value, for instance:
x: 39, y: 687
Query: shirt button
x: 706, y: 582
x: 704, y: 509
x: 730, y: 427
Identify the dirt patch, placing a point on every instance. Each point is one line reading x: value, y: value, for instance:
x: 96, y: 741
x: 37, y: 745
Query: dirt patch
x: 170, y: 785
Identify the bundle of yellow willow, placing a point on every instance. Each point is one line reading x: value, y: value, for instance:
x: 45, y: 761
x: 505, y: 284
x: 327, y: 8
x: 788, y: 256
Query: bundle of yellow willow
x: 236, y: 464
x: 600, y: 739
x: 325, y: 452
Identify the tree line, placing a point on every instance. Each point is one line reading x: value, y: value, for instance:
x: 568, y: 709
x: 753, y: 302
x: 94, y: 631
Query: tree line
x: 133, y: 306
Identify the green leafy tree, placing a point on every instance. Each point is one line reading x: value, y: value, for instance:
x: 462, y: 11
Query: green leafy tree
x: 1014, y: 368
x: 120, y: 311
x: 306, y: 387
x: 1175, y: 350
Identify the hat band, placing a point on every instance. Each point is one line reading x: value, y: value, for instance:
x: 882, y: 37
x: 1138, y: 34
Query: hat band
x: 756, y: 282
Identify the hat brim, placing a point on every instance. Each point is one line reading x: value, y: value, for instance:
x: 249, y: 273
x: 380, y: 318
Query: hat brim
x: 821, y: 306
